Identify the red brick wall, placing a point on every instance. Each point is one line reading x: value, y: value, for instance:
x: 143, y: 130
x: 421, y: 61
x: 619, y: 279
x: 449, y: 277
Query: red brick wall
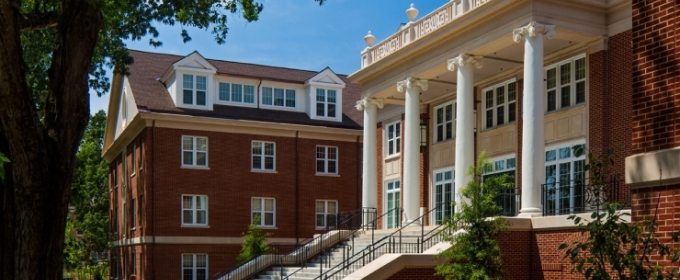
x: 516, y: 251
x: 656, y: 118
x: 662, y: 202
x: 416, y: 273
x: 547, y: 261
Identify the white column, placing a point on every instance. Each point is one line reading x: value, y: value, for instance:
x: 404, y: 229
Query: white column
x: 533, y: 138
x: 465, y: 119
x: 411, y: 149
x: 369, y: 190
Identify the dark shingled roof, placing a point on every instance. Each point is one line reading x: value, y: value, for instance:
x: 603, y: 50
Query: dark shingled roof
x: 151, y: 95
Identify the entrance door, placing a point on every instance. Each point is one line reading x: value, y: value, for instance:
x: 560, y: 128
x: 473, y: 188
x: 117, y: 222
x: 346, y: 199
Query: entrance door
x: 564, y: 176
x: 393, y: 195
x: 444, y: 192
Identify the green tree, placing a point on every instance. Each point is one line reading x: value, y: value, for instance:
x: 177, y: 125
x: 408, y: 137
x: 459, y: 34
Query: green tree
x: 615, y: 248
x: 254, y: 243
x: 475, y: 252
x: 51, y: 53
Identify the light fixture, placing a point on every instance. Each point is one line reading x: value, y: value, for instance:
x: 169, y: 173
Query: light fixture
x: 423, y: 134
x: 475, y: 121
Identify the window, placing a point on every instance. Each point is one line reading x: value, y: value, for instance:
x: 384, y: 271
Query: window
x: 141, y: 266
x: 326, y: 159
x: 114, y: 175
x: 507, y: 199
x: 133, y: 213
x: 115, y: 220
x: 263, y: 211
x: 194, y: 93
x: 326, y: 213
x: 134, y: 159
x: 444, y: 193
x: 393, y: 138
x: 444, y: 122
x: 195, y: 210
x: 194, y: 267
x: 566, y: 83
x: 236, y: 93
x: 564, y: 177
x: 325, y: 103
x: 141, y: 210
x: 194, y: 151
x: 278, y: 97
x: 264, y: 155
x: 141, y: 155
x: 500, y: 104
x: 133, y: 262
x: 393, y: 204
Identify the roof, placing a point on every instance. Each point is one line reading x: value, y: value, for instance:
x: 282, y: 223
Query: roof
x: 151, y: 95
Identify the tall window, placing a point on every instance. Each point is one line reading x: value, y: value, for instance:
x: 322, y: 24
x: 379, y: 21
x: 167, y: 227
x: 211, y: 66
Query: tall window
x: 326, y: 213
x: 263, y: 211
x: 444, y: 122
x: 500, y: 104
x: 133, y: 213
x: 133, y: 262
x: 393, y: 204
x: 264, y: 155
x: 140, y: 205
x: 194, y: 151
x: 507, y: 199
x: 195, y: 210
x: 564, y: 177
x: 443, y: 195
x: 566, y: 83
x: 194, y: 267
x: 134, y: 158
x: 237, y: 93
x: 327, y: 159
x: 325, y: 102
x: 278, y: 97
x: 194, y: 93
x: 393, y: 138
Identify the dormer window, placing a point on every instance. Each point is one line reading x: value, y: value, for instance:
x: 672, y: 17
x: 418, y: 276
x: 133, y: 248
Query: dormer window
x: 278, y: 97
x: 237, y: 93
x: 325, y: 103
x: 194, y: 92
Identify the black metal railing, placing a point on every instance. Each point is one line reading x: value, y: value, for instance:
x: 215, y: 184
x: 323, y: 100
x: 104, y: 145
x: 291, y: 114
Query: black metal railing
x: 580, y: 196
x: 392, y: 243
x: 371, y: 224
x: 509, y: 201
x: 305, y: 249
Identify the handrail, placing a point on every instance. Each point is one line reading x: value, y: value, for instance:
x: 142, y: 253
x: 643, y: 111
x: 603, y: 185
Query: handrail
x: 580, y: 195
x: 263, y: 262
x: 370, y: 225
x: 371, y: 249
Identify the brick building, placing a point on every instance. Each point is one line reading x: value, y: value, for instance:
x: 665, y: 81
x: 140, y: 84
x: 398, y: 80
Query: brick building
x: 199, y: 148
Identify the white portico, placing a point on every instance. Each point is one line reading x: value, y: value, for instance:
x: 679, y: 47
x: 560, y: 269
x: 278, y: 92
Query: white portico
x: 528, y: 99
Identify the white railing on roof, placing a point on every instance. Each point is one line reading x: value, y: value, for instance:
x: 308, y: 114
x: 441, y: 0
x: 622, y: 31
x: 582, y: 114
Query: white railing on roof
x: 413, y: 31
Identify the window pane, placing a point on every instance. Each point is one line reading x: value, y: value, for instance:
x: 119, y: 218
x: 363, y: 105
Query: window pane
x: 267, y: 96
x: 398, y: 143
x: 565, y: 74
x: 512, y: 91
x: 551, y: 77
x: 187, y: 201
x: 320, y: 110
x: 257, y: 205
x: 201, y: 158
x: 331, y: 110
x: 449, y: 131
x: 332, y: 207
x: 565, y: 153
x: 201, y: 274
x: 188, y: 158
x: 269, y: 163
x: 290, y: 98
x: 188, y: 261
x: 511, y: 163
x: 320, y: 220
x: 188, y: 216
x: 257, y: 162
x: 188, y: 274
x: 201, y: 260
x: 390, y: 131
x: 500, y: 115
x: 580, y: 68
x: 269, y: 149
x: 320, y: 206
x: 201, y: 217
x: 332, y: 153
x: 320, y: 95
x: 236, y: 92
x: 449, y: 112
x: 268, y: 219
x: 188, y: 96
x: 552, y: 101
x: 332, y: 166
x: 390, y: 147
x: 581, y: 92
x: 331, y: 96
x: 257, y: 216
x: 489, y: 99
x: 440, y: 133
x: 268, y: 205
x: 320, y: 166
x: 201, y: 144
x: 500, y: 95
x: 320, y: 152
x: 201, y: 202
x: 257, y: 148
x: 224, y: 92
x: 200, y: 97
x: 489, y: 118
x: 511, y: 112
x: 550, y: 155
x: 201, y: 83
x: 565, y: 96
x: 440, y: 115
x: 248, y: 94
x: 278, y: 97
x: 188, y: 81
x: 187, y: 143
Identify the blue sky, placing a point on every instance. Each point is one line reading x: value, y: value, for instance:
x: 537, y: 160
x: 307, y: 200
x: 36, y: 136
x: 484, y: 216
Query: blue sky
x: 293, y: 33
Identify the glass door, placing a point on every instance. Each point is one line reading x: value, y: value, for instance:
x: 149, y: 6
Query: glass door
x: 393, y: 195
x: 444, y: 192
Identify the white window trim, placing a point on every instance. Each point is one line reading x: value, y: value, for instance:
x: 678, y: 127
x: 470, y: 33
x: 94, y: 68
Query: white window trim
x: 232, y: 103
x: 454, y: 119
x: 194, y: 151
x: 276, y: 107
x: 194, y: 268
x: 326, y: 160
x: 572, y: 83
x: 262, y: 157
x: 397, y: 137
x: 558, y: 161
x: 506, y: 105
x: 194, y: 210
x: 262, y: 212
x: 385, y: 201
x: 181, y: 89
x: 325, y: 213
x: 434, y: 185
x: 325, y: 102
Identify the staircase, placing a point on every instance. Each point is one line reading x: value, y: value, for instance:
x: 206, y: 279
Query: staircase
x: 360, y: 250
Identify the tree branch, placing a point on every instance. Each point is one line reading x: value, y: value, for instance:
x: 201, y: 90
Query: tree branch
x: 38, y: 21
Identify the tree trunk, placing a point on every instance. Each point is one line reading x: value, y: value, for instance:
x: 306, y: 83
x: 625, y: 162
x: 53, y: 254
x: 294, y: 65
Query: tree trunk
x: 34, y: 196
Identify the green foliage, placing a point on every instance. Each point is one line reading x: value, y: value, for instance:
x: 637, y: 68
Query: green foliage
x: 89, y: 199
x: 254, y: 244
x: 475, y: 252
x: 614, y: 248
x: 3, y: 160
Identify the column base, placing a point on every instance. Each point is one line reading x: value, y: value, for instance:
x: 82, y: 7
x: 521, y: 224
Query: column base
x: 530, y: 212
x: 411, y: 223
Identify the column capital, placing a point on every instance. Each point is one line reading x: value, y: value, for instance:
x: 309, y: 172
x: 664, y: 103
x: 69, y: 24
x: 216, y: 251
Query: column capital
x: 368, y: 101
x: 533, y: 29
x: 410, y: 83
x: 464, y: 59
